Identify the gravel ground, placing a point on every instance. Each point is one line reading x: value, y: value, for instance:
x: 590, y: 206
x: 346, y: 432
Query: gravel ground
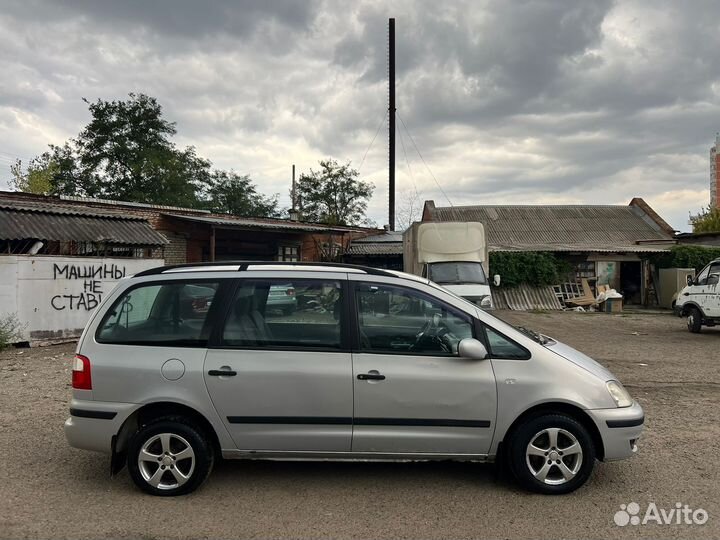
x: 50, y: 490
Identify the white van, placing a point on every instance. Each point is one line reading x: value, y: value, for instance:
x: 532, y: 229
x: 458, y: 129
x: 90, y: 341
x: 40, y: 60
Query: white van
x: 700, y: 300
x: 452, y: 254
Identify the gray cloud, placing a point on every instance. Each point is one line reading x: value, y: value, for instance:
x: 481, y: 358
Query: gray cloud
x: 524, y: 101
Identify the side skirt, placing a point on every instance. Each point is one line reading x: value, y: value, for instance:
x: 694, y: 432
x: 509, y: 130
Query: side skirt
x: 278, y: 455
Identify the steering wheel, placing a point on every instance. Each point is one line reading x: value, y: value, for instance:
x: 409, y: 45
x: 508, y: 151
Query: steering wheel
x: 433, y: 332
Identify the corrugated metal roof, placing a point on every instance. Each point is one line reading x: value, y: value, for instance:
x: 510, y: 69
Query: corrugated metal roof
x: 380, y: 248
x: 562, y: 227
x: 249, y: 223
x: 388, y: 243
x: 114, y: 202
x: 60, y: 209
x: 525, y: 298
x: 394, y: 236
x: 46, y: 223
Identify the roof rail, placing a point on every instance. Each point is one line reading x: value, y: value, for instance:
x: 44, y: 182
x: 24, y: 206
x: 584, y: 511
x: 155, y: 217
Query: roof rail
x: 243, y: 266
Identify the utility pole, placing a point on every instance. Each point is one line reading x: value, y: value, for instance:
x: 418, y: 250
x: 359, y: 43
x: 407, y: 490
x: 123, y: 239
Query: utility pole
x: 295, y: 210
x: 293, y: 189
x: 391, y: 124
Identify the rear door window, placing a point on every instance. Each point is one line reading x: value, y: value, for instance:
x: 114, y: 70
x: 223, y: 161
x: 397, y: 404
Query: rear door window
x: 172, y: 314
x: 297, y: 314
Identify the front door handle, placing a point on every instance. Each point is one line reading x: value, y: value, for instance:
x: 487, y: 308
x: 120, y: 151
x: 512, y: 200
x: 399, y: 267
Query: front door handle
x: 222, y: 373
x: 372, y: 376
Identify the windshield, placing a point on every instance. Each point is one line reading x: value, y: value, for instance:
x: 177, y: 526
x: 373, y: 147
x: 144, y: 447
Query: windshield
x: 457, y: 273
x: 542, y: 339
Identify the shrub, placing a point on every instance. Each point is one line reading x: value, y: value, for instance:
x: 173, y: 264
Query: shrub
x: 685, y: 256
x: 10, y: 329
x: 532, y: 267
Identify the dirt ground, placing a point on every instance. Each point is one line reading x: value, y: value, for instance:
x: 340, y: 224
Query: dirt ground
x: 50, y: 490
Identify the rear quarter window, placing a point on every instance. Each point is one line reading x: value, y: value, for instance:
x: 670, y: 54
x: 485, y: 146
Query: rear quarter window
x: 169, y: 313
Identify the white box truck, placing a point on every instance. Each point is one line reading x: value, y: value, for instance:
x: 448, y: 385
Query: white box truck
x: 452, y: 254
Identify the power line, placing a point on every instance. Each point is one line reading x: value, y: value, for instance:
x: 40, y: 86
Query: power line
x: 402, y: 143
x: 423, y: 160
x: 7, y: 155
x: 382, y: 123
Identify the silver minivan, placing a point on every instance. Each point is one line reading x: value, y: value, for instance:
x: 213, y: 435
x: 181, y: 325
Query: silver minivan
x: 183, y: 365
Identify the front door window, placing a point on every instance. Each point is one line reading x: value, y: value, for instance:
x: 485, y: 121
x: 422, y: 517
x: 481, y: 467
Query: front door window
x: 401, y: 321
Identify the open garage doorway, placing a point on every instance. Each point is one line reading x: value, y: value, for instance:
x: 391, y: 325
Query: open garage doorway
x: 631, y: 282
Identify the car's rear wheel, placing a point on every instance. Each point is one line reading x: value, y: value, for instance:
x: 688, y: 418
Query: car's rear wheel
x: 694, y: 320
x: 552, y: 454
x: 169, y: 457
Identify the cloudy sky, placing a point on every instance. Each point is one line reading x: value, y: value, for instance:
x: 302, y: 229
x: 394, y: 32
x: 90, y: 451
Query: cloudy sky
x: 517, y: 102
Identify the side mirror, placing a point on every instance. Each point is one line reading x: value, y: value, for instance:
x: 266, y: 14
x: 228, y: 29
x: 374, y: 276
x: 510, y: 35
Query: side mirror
x: 689, y: 280
x: 496, y: 280
x: 473, y: 349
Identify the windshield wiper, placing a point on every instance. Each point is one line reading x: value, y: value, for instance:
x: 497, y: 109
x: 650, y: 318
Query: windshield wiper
x: 532, y: 334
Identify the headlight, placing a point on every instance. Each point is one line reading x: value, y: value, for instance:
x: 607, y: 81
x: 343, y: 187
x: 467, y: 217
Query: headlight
x: 486, y: 302
x: 619, y: 394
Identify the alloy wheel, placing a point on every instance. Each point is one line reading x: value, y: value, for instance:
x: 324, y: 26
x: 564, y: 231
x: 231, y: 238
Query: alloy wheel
x: 554, y: 456
x: 166, y: 461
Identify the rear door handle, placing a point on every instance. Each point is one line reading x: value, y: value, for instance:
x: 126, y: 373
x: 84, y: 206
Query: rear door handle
x: 222, y: 373
x: 371, y: 377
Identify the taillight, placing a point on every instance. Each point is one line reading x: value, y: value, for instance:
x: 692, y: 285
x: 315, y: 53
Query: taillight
x: 290, y: 292
x: 81, y: 379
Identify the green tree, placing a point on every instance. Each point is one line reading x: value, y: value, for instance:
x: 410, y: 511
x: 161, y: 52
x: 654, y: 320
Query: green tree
x: 232, y: 193
x: 707, y: 221
x: 36, y: 178
x: 334, y: 194
x: 125, y: 152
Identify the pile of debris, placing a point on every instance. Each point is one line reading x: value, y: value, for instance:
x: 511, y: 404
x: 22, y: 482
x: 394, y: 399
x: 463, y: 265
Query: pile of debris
x: 580, y: 297
x: 563, y: 297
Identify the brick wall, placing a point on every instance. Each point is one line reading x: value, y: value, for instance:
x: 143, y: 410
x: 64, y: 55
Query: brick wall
x: 176, y: 250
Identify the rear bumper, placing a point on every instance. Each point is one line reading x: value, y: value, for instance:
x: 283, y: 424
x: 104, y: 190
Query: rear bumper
x: 93, y: 424
x: 677, y: 310
x: 620, y: 429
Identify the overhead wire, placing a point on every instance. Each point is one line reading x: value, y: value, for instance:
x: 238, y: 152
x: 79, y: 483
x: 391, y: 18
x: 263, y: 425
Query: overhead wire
x: 382, y: 123
x: 423, y: 160
x: 402, y: 143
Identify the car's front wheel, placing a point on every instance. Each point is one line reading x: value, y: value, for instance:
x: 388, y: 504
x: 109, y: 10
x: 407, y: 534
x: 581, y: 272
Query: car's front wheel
x: 169, y: 457
x: 552, y: 454
x: 694, y: 320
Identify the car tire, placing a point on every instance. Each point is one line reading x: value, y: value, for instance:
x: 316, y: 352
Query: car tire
x: 694, y: 320
x: 288, y: 310
x: 170, y: 457
x: 552, y: 454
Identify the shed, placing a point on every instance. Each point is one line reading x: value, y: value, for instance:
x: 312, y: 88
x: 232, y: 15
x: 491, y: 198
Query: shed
x: 377, y: 250
x: 606, y: 244
x: 47, y: 229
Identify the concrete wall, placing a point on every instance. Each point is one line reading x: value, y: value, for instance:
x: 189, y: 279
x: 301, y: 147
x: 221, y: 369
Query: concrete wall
x: 54, y: 296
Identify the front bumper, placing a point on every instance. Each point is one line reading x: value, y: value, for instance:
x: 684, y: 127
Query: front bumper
x: 620, y: 429
x: 677, y: 310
